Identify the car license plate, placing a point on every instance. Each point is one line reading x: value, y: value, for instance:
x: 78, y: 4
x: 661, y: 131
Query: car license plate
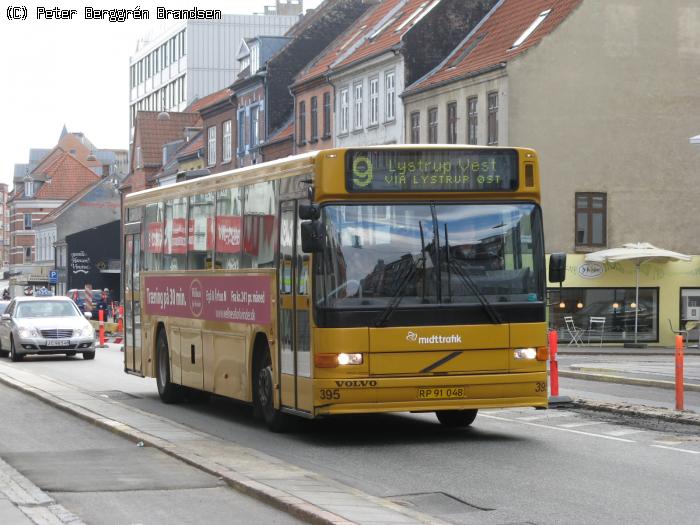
x: 443, y: 392
x: 57, y: 342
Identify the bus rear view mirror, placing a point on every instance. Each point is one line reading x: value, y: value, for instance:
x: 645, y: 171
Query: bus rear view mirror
x: 311, y: 237
x: 309, y: 212
x: 557, y: 268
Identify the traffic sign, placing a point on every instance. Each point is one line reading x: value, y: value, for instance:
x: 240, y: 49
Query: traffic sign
x: 53, y: 276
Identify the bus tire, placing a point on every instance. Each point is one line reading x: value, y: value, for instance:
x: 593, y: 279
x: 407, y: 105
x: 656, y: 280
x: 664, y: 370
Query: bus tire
x: 263, y: 392
x: 456, y: 418
x: 169, y: 392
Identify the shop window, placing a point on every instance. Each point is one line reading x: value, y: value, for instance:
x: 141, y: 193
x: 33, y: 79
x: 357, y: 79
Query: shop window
x: 690, y: 312
x: 617, y: 305
x: 591, y: 220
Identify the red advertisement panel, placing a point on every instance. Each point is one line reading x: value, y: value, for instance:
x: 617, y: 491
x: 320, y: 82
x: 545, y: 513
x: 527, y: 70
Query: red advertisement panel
x: 228, y: 234
x: 201, y: 240
x: 233, y: 298
x: 154, y: 238
x: 176, y: 242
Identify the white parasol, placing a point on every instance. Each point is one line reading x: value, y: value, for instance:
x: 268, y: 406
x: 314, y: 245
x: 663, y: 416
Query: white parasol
x: 639, y: 253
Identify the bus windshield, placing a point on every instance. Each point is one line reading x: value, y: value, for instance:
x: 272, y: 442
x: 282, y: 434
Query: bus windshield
x: 396, y: 255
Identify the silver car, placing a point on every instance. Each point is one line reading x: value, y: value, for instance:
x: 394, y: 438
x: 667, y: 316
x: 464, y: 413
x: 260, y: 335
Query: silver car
x: 45, y: 325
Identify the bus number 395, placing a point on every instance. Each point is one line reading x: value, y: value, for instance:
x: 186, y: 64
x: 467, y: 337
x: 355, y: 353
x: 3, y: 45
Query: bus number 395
x: 330, y: 393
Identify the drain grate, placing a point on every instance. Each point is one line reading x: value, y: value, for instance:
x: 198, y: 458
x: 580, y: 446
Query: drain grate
x: 436, y: 503
x: 116, y: 395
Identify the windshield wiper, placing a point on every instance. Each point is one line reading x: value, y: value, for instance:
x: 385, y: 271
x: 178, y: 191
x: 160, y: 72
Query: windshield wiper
x: 469, y: 283
x: 398, y: 294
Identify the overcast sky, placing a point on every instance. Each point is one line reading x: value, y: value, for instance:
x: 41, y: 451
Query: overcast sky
x: 76, y: 72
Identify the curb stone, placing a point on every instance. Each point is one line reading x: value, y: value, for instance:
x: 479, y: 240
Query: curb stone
x: 593, y: 375
x: 639, y: 411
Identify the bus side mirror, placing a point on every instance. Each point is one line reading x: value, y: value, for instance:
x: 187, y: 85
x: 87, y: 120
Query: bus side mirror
x: 311, y: 237
x: 557, y: 268
x: 309, y: 212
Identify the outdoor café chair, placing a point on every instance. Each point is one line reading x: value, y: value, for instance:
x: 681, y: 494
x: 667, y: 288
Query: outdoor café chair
x: 574, y: 332
x: 596, y: 327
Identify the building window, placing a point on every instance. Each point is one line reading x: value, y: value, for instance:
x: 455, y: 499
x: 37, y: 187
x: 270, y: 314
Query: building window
x: 326, y: 114
x: 432, y: 126
x: 211, y: 146
x: 472, y: 120
x: 28, y: 254
x: 373, y: 101
x: 314, y: 119
x: 357, y: 117
x: 591, y: 219
x: 493, y: 119
x: 139, y: 158
x: 390, y: 85
x: 302, y: 123
x: 452, y: 123
x: 29, y: 188
x: 344, y: 110
x: 254, y: 125
x: 27, y: 221
x: 227, y: 141
x: 415, y: 127
x: 615, y: 308
x: 241, y: 131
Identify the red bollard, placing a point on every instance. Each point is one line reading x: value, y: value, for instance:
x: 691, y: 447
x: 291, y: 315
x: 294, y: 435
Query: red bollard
x: 679, y: 372
x: 120, y: 323
x: 553, y: 365
x: 101, y: 317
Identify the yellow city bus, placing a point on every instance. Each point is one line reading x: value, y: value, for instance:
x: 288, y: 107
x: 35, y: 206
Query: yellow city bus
x: 344, y: 281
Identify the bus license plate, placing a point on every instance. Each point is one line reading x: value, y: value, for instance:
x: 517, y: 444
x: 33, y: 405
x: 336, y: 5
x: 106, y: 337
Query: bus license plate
x: 444, y: 392
x: 57, y: 342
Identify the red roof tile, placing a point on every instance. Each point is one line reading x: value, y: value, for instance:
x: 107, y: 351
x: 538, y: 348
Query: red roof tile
x: 385, y: 21
x: 209, y: 100
x: 152, y: 133
x: 491, y: 44
x: 67, y: 177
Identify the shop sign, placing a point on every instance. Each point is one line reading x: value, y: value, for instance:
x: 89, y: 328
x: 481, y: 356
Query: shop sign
x: 590, y: 270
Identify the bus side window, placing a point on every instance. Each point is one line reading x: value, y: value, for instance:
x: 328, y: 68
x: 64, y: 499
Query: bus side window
x: 153, y: 237
x: 228, y: 229
x: 200, y: 232
x: 259, y: 226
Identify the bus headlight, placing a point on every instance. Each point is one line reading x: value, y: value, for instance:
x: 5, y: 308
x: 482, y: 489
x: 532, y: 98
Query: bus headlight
x: 334, y: 360
x: 525, y: 353
x: 541, y: 354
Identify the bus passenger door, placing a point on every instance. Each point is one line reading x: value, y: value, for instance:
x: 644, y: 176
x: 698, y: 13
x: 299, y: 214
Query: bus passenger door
x: 132, y: 306
x: 294, y: 329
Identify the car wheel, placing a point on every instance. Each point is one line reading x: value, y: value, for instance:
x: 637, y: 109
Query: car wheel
x: 456, y: 418
x: 168, y: 391
x: 88, y: 355
x: 3, y: 353
x: 70, y: 354
x: 13, y: 353
x: 263, y: 392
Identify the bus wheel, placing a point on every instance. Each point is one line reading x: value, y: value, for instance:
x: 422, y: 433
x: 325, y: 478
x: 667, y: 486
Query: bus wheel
x: 263, y: 393
x: 168, y: 392
x: 456, y: 418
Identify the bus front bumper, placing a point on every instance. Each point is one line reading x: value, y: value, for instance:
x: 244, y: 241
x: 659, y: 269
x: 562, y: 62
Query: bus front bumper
x: 427, y: 394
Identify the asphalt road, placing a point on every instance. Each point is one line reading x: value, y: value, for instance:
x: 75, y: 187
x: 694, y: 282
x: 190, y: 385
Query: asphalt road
x: 512, y: 466
x: 105, y: 479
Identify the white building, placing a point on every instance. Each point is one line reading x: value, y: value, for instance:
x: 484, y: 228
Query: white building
x: 197, y: 57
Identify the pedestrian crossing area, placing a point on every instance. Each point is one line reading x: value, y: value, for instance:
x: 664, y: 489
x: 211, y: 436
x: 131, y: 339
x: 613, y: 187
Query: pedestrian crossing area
x: 684, y: 439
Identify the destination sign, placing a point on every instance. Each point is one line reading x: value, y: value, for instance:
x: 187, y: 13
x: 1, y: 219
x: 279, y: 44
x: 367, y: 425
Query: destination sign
x: 425, y: 170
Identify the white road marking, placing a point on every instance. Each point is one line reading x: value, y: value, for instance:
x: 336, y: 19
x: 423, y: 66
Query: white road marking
x: 624, y: 432
x: 667, y: 442
x: 581, y: 424
x: 677, y: 449
x: 544, y: 416
x: 560, y: 429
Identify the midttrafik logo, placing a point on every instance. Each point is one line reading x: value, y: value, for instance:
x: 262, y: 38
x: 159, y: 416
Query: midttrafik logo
x: 433, y: 339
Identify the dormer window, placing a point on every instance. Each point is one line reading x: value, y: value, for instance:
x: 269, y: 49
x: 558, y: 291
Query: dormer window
x: 254, y: 58
x: 29, y: 188
x: 540, y: 18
